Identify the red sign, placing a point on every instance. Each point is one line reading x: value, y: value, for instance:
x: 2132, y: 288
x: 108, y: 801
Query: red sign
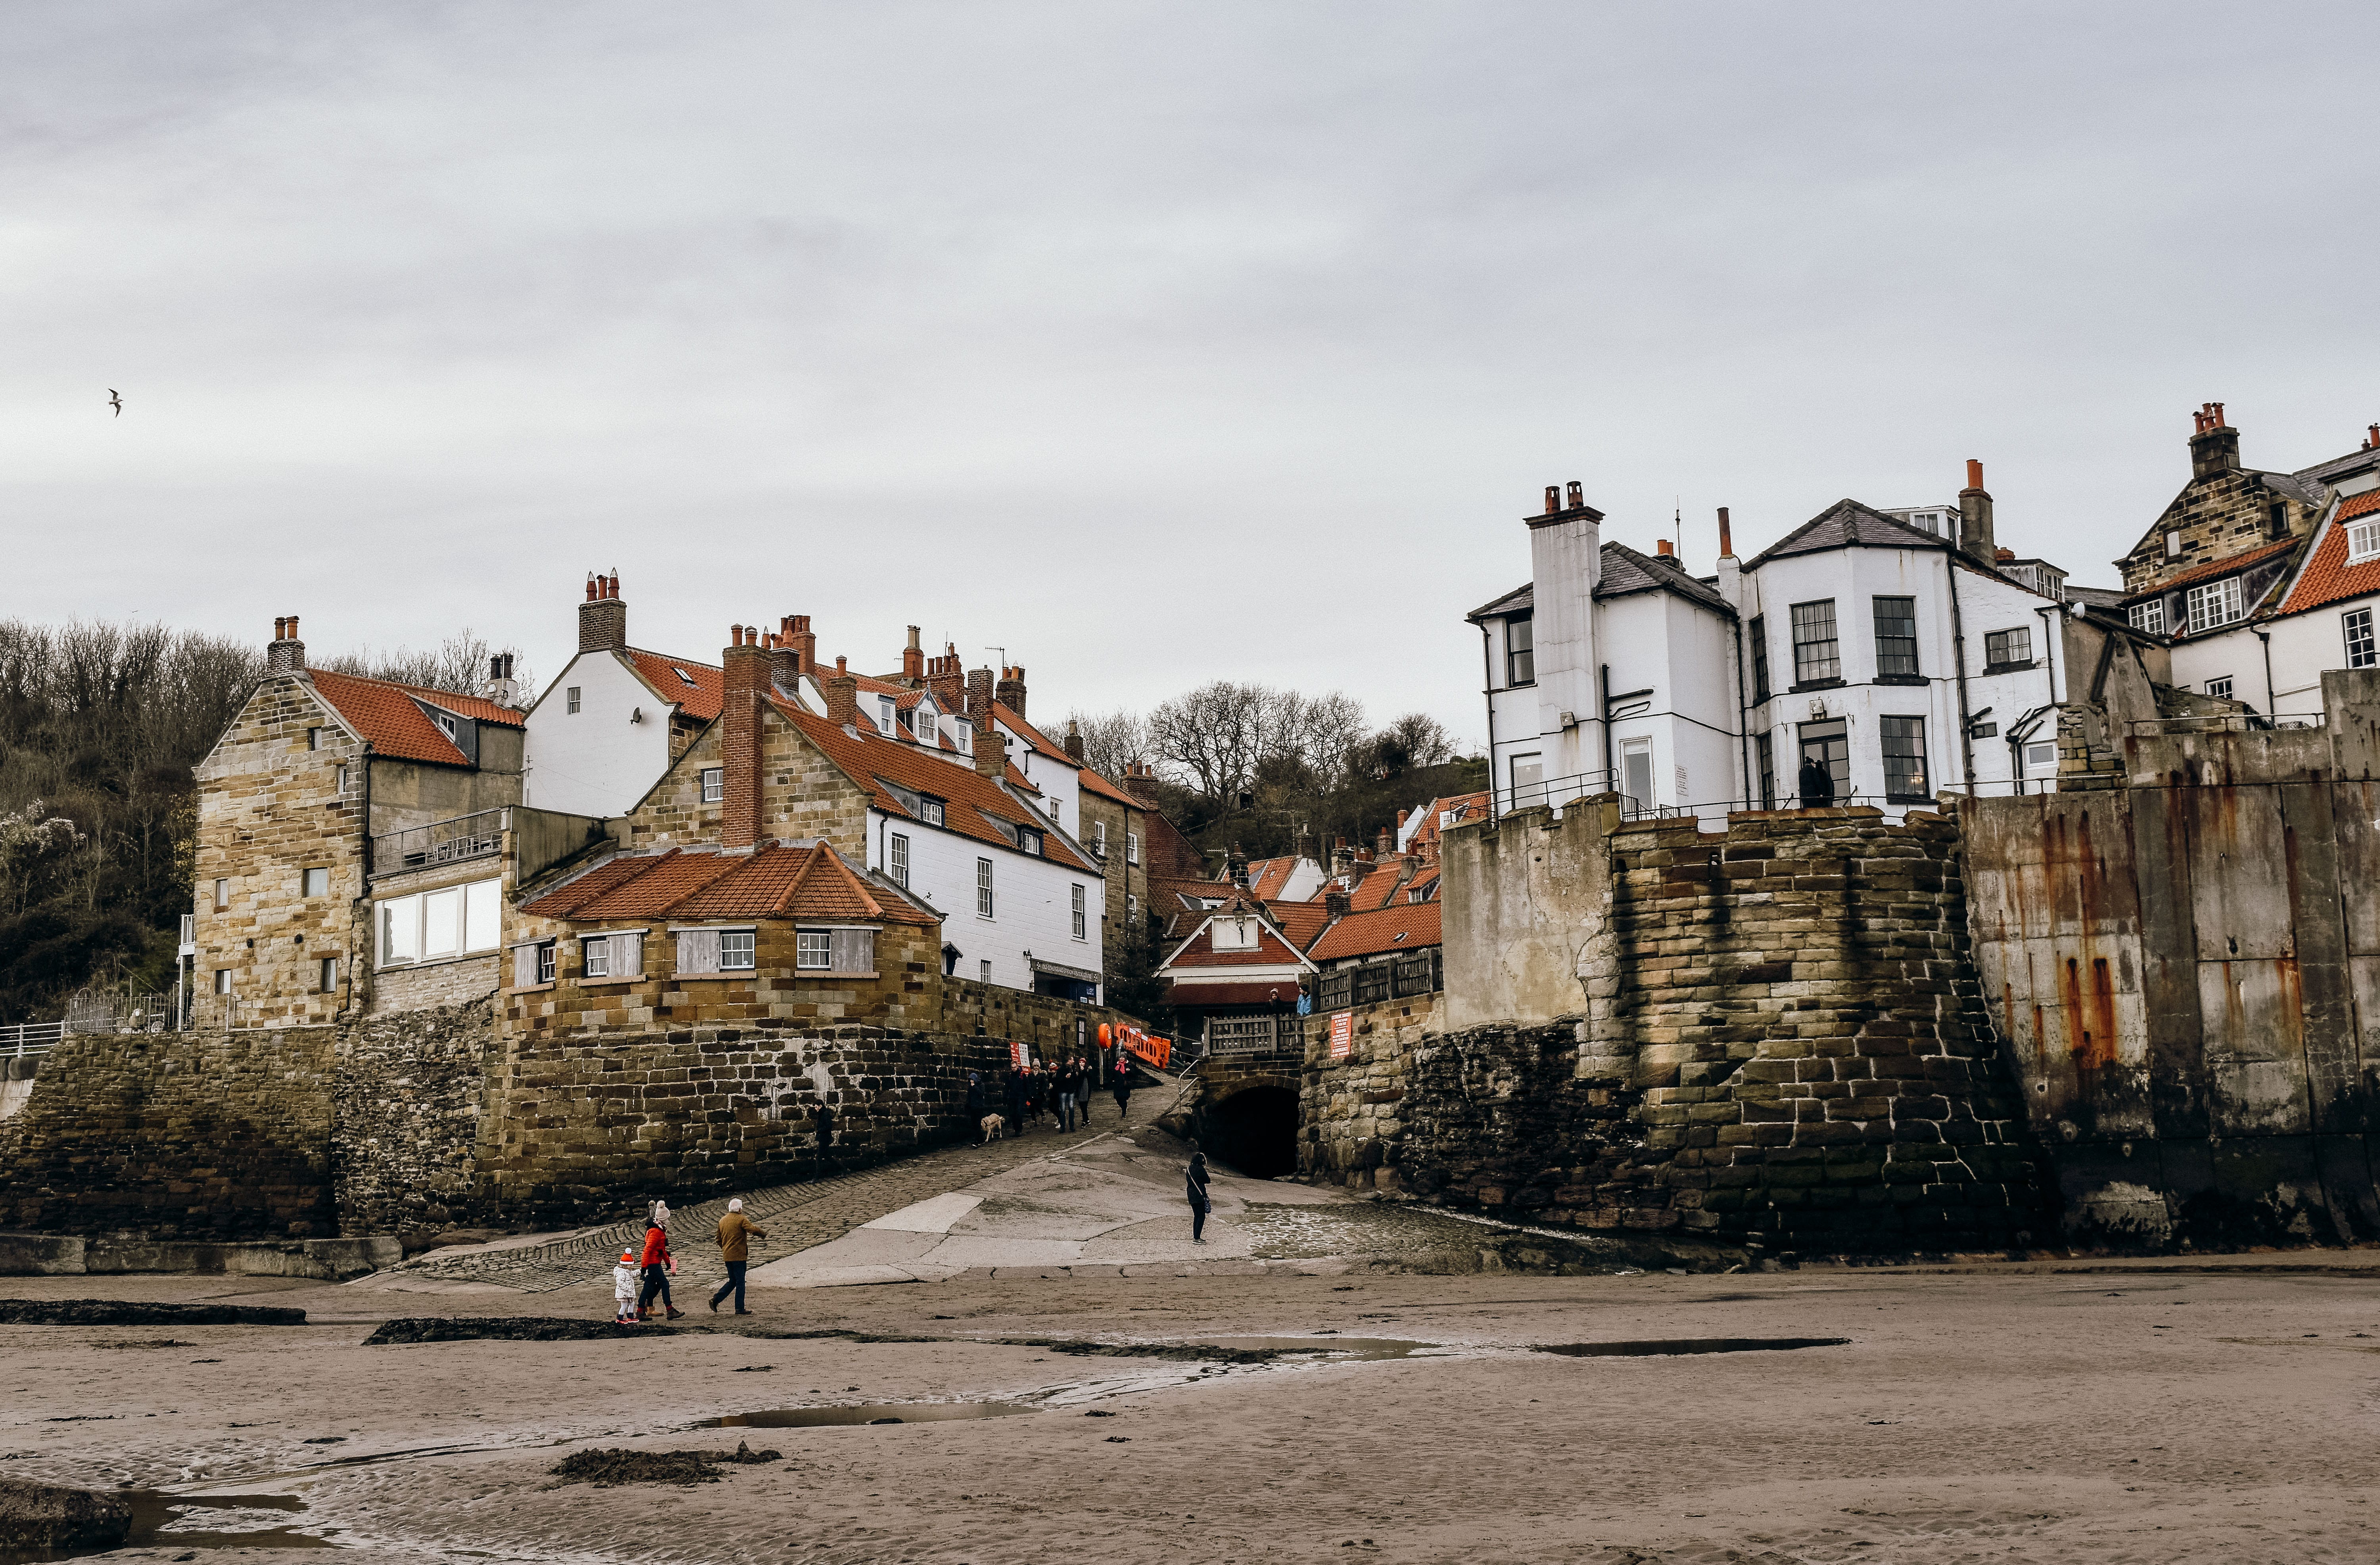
x: 1342, y: 1034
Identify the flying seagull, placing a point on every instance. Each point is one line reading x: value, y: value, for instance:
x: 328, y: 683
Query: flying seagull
x: 116, y: 400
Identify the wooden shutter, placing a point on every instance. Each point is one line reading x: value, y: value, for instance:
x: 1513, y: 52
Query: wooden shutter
x: 524, y: 966
x: 697, y: 951
x: 855, y: 951
x: 628, y: 956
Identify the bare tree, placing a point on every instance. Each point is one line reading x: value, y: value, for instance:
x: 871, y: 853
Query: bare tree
x: 1111, y: 741
x: 1218, y: 737
x: 459, y: 664
x: 1413, y: 740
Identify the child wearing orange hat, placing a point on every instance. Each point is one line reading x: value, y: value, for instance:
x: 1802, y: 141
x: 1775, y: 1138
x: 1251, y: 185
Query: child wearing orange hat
x: 624, y: 1289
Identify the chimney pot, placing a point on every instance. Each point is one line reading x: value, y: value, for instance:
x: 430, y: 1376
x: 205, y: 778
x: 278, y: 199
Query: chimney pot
x: 1553, y: 497
x: 1974, y: 474
x: 602, y: 618
x: 1726, y: 538
x: 2372, y: 441
x: 2004, y: 554
x: 1664, y: 549
x: 1577, y: 495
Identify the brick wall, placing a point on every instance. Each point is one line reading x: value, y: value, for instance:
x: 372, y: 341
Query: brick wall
x: 271, y: 807
x: 202, y: 1135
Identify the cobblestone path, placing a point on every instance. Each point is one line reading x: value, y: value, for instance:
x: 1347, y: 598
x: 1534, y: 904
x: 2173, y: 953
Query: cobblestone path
x: 797, y: 1216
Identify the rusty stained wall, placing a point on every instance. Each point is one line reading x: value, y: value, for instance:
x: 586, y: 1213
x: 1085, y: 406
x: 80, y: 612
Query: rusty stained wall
x: 2182, y: 971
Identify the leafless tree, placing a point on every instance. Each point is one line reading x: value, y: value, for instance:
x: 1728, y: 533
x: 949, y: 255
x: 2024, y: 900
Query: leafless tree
x: 1111, y: 741
x: 459, y: 663
x: 1218, y: 737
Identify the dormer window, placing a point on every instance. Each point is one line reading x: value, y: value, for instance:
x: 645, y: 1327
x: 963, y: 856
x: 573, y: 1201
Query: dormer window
x: 930, y: 811
x: 1028, y: 840
x: 2362, y: 540
x: 884, y: 718
x: 445, y: 725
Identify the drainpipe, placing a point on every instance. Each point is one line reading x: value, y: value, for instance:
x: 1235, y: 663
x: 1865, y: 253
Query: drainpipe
x: 1958, y: 662
x: 2049, y: 653
x: 2265, y: 637
x: 1487, y: 673
x: 1604, y: 718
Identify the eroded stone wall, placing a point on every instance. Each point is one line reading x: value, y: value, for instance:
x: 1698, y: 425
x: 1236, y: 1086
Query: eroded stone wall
x: 411, y: 1119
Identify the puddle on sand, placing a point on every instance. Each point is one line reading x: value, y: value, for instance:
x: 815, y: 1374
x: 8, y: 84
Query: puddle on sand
x: 868, y: 1413
x: 242, y: 1522
x: 1663, y: 1347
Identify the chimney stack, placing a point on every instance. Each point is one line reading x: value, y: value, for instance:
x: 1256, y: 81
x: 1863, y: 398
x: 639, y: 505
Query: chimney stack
x: 1341, y: 859
x: 947, y: 680
x: 842, y: 689
x: 1238, y: 864
x: 989, y: 751
x: 1337, y: 904
x: 1139, y: 780
x: 1074, y: 741
x: 1664, y: 549
x: 1012, y: 689
x: 602, y: 618
x: 500, y: 688
x: 1577, y: 496
x: 913, y: 662
x: 2214, y: 444
x: 1726, y: 538
x: 286, y: 654
x: 1385, y: 843
x: 2372, y: 441
x: 1975, y: 514
x: 744, y: 667
x: 1305, y: 845
x: 978, y: 693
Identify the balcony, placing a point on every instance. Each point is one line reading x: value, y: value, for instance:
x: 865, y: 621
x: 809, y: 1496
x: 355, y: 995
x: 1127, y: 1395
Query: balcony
x: 1422, y: 973
x: 1255, y: 1034
x: 441, y: 841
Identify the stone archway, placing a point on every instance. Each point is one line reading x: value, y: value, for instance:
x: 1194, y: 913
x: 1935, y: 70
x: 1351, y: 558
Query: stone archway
x: 1247, y: 1121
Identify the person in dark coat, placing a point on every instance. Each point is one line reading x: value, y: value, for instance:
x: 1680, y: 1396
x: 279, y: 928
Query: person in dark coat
x: 1817, y: 785
x: 1069, y: 1086
x: 1196, y: 1179
x: 979, y: 1104
x: 1123, y: 1090
x: 1015, y: 1100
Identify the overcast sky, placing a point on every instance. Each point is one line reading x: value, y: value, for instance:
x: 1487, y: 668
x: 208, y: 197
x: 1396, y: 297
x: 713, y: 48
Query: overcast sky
x: 1156, y: 343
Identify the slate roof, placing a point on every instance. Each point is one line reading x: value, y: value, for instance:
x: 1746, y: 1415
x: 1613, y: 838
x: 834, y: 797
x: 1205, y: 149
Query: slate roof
x: 1627, y: 572
x: 2328, y: 578
x: 776, y: 881
x: 1521, y: 597
x: 388, y: 716
x: 698, y: 689
x: 1847, y: 524
x: 1398, y: 927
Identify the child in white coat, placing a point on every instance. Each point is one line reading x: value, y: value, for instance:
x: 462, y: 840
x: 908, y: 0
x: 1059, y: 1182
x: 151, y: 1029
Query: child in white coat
x: 624, y: 1289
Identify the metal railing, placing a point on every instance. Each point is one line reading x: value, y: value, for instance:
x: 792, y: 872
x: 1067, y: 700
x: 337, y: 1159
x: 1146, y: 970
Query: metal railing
x: 441, y: 841
x: 29, y: 1040
x: 123, y: 1011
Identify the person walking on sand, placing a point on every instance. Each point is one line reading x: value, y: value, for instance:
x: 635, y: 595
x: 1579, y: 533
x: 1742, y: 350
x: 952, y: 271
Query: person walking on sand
x: 658, y: 1264
x: 1194, y: 1177
x: 624, y: 1290
x: 735, y: 1233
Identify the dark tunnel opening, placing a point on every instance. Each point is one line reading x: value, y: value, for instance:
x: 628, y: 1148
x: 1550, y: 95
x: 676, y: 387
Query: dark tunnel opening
x: 1253, y: 1132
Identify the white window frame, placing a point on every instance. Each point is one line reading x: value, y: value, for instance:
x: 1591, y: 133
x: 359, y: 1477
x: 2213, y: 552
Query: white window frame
x: 2220, y: 687
x: 1132, y: 847
x: 986, y: 904
x: 888, y: 716
x: 896, y: 858
x: 930, y: 810
x: 2212, y: 605
x: 813, y: 950
x: 315, y: 880
x: 223, y: 892
x: 478, y: 920
x: 595, y: 956
x: 744, y: 943
x: 1082, y: 920
x: 715, y: 784
x: 570, y: 697
x: 2362, y: 648
x: 2148, y: 617
x: 545, y: 961
x: 2363, y: 540
x: 223, y: 980
x: 326, y: 975
x: 2040, y: 753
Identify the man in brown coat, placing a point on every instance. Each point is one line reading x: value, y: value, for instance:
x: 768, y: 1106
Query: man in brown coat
x: 735, y: 1233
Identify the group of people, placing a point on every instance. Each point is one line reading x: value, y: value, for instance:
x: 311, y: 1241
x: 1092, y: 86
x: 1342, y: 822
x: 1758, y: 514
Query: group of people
x: 1061, y: 1090
x: 643, y: 1277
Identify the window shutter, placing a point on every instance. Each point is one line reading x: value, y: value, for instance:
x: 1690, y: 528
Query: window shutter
x: 855, y: 951
x: 697, y: 951
x: 628, y: 956
x: 524, y: 966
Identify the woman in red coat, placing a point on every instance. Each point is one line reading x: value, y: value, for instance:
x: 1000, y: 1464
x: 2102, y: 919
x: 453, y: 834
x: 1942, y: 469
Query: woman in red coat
x: 658, y: 1263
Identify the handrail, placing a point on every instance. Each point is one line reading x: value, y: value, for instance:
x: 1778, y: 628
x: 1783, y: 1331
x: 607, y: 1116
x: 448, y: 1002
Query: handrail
x: 440, y: 841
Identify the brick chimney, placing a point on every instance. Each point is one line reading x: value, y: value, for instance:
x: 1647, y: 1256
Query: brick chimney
x: 1305, y: 845
x: 1384, y: 843
x: 2214, y: 444
x: 1725, y: 537
x: 602, y: 618
x: 1975, y: 514
x: 989, y: 751
x: 794, y: 633
x: 1012, y: 689
x: 784, y: 663
x: 1337, y: 903
x: 947, y: 680
x: 745, y: 666
x: 285, y: 653
x: 1074, y: 741
x: 841, y: 688
x: 913, y: 662
x: 1341, y: 859
x: 2371, y: 441
x: 978, y: 693
x: 1139, y: 780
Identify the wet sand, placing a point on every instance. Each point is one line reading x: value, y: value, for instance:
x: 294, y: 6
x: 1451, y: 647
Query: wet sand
x: 2010, y: 1413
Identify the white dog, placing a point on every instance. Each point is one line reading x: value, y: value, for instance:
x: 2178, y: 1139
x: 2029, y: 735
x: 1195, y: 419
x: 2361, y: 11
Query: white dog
x: 991, y: 1128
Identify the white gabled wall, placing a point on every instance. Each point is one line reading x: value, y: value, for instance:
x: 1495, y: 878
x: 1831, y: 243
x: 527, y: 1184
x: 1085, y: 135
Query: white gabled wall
x: 595, y: 762
x: 1032, y: 901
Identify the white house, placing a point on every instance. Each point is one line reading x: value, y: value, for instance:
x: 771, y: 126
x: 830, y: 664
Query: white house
x: 2322, y: 616
x: 1898, y: 659
x: 606, y: 731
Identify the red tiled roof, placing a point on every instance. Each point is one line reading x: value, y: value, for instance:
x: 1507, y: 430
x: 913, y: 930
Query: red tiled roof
x: 1376, y: 890
x: 1033, y: 737
x: 702, y: 700
x: 1094, y: 782
x: 384, y: 715
x: 2216, y: 568
x: 1474, y: 805
x: 1301, y: 921
x: 769, y: 882
x: 1199, y: 951
x: 1268, y: 876
x: 1402, y: 927
x: 2328, y: 578
x: 970, y: 801
x: 1421, y: 888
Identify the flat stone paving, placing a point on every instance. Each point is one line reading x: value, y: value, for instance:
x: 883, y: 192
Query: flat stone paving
x: 797, y: 1216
